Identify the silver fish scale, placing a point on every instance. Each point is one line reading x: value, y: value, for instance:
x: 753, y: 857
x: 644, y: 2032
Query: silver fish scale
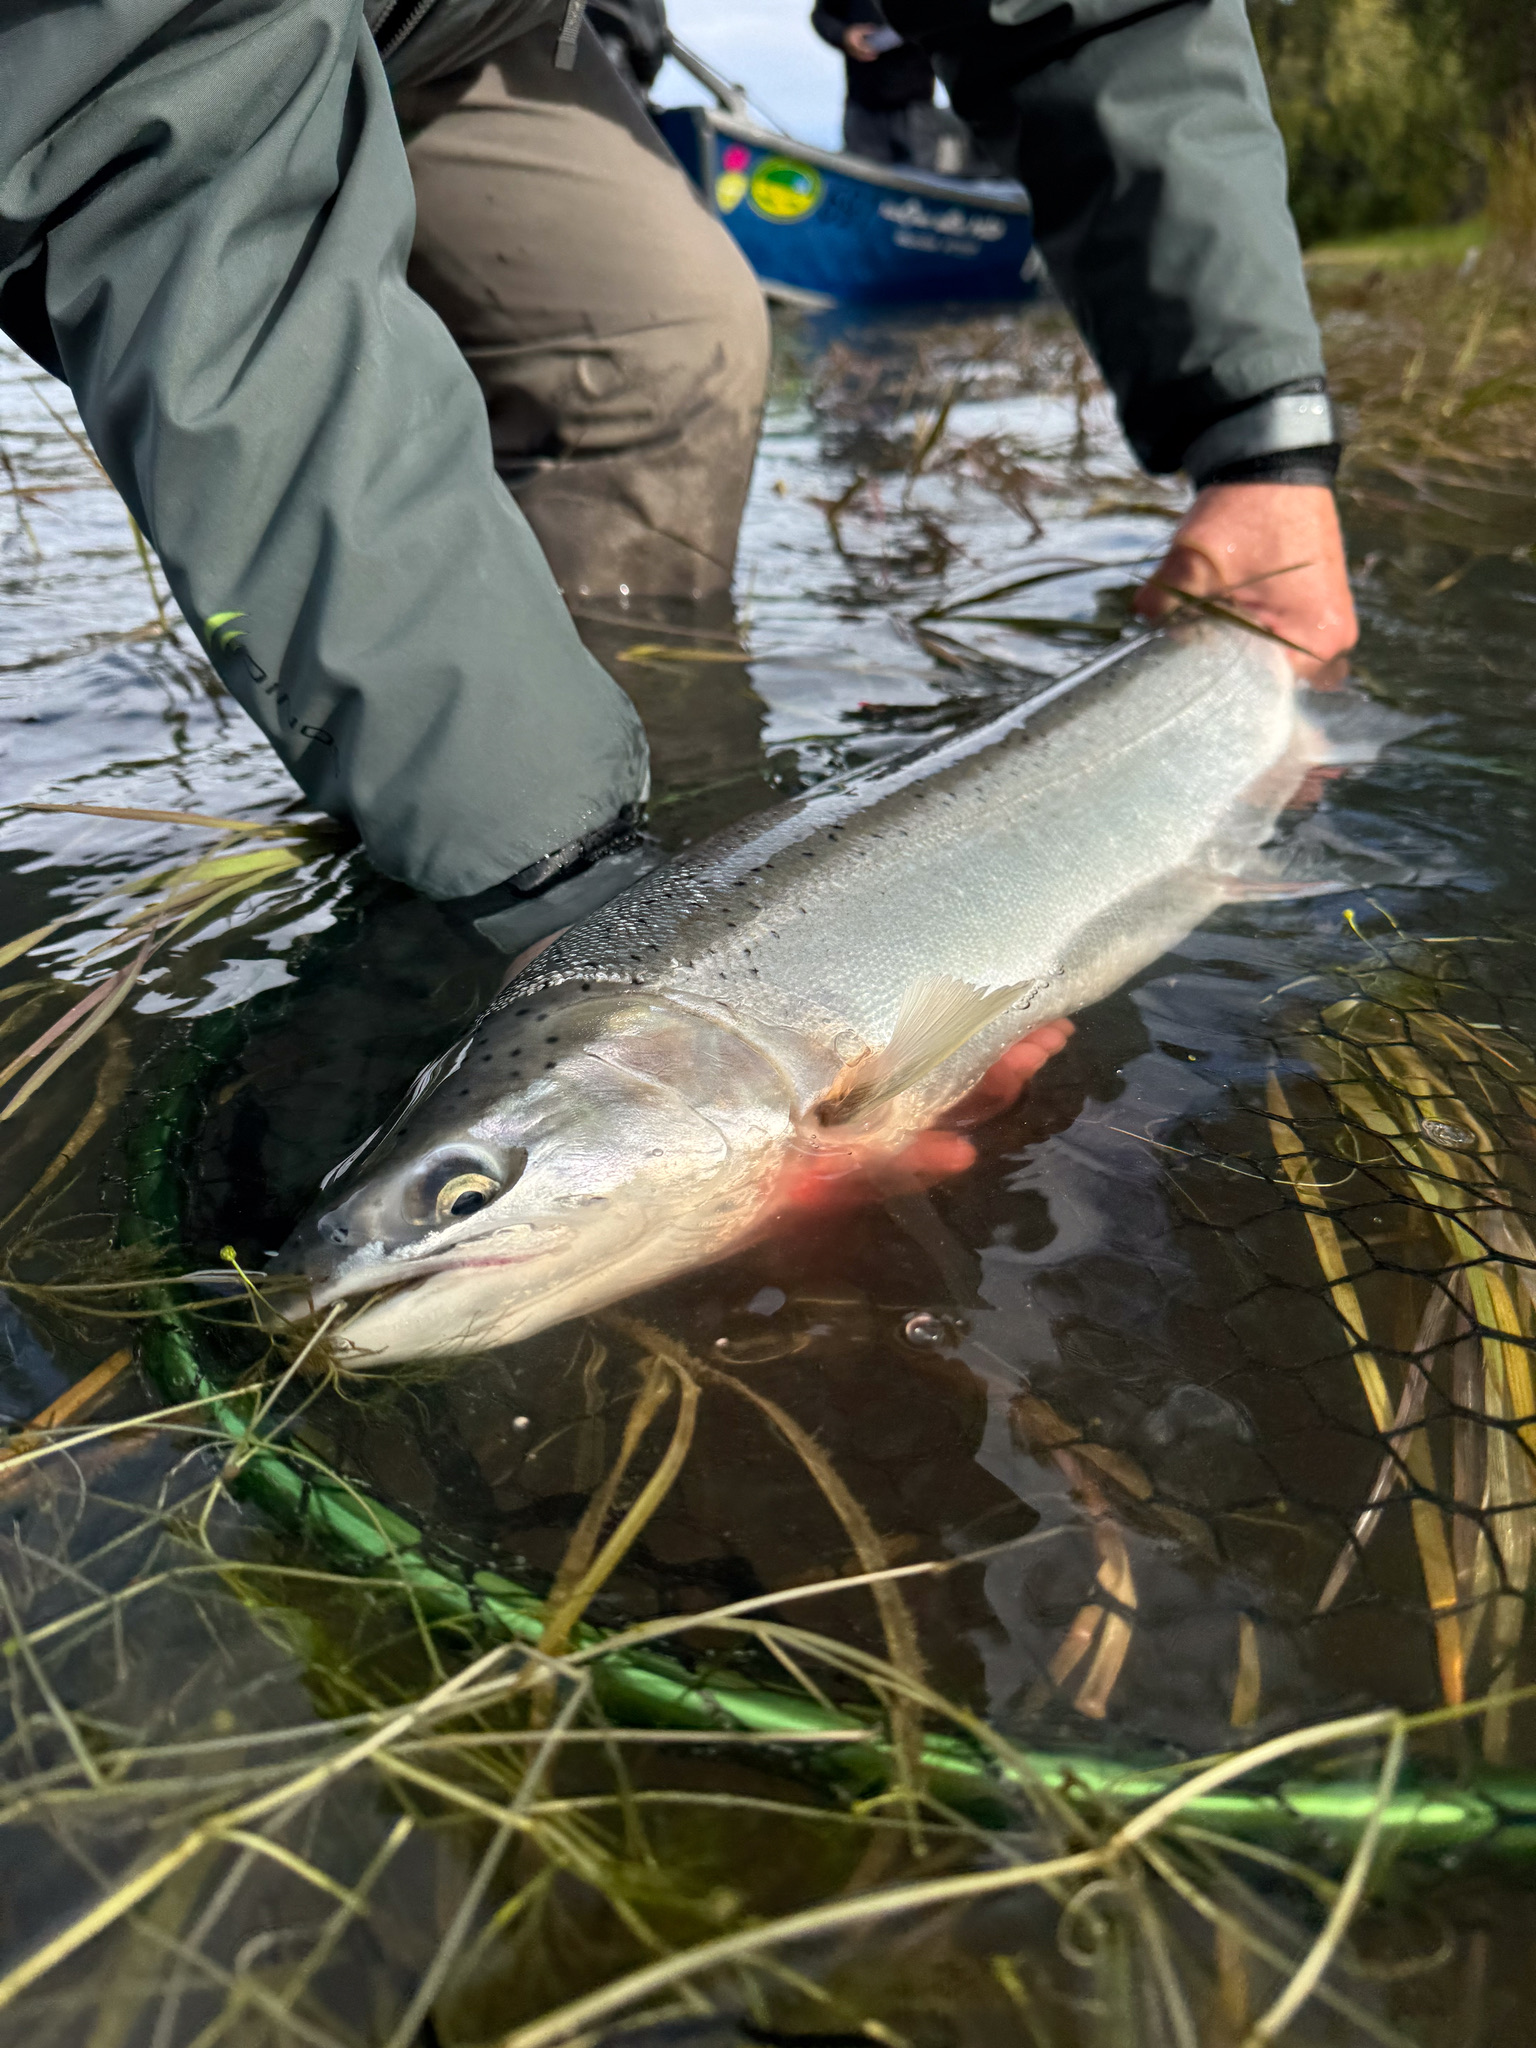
x: 1061, y: 845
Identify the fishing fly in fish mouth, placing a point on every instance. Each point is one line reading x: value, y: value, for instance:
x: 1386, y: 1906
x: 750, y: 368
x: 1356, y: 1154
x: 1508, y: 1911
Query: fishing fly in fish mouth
x: 802, y: 998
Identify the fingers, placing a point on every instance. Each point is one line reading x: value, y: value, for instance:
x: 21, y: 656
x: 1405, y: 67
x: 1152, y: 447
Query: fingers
x: 1006, y: 1079
x: 844, y: 1180
x: 1273, y: 552
x: 1183, y: 568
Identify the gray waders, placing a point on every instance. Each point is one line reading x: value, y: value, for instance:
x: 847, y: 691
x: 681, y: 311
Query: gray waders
x: 314, y: 386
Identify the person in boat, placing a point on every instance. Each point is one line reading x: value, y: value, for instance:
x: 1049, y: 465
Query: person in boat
x: 888, y: 111
x: 634, y: 37
x: 393, y: 320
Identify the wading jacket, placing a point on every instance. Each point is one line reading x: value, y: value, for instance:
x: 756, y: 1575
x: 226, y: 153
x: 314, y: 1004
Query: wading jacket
x: 205, y: 214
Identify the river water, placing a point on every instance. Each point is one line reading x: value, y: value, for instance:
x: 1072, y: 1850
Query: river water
x: 1112, y: 1361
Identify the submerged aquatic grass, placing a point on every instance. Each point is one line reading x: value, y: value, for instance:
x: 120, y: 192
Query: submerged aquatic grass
x: 585, y: 1870
x: 492, y: 1749
x: 274, y: 1794
x: 1430, y: 1108
x: 143, y: 916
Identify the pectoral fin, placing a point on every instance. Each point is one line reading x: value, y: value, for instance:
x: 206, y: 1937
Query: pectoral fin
x: 937, y: 1017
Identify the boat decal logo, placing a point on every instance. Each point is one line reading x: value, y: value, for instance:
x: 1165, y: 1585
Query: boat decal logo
x: 731, y: 185
x: 782, y: 190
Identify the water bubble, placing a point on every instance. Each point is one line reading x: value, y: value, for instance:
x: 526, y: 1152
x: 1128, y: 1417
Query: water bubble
x: 520, y: 1421
x: 925, y: 1330
x: 1440, y: 1131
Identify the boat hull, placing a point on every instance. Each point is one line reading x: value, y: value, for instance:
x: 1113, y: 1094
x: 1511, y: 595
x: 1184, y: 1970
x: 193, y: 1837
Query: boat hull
x: 836, y: 230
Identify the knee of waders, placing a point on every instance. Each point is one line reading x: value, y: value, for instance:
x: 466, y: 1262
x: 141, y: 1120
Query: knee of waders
x: 702, y: 373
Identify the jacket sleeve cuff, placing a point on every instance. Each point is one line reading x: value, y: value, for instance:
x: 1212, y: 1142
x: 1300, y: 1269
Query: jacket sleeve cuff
x: 1287, y: 424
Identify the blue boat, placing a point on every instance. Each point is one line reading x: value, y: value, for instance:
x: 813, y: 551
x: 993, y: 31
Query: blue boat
x: 824, y: 229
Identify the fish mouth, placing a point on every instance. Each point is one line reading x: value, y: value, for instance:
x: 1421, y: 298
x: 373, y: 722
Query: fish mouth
x: 368, y: 1289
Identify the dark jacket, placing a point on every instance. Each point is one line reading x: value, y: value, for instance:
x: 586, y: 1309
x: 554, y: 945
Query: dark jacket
x: 639, y: 27
x: 1142, y: 130
x: 205, y: 213
x: 902, y: 77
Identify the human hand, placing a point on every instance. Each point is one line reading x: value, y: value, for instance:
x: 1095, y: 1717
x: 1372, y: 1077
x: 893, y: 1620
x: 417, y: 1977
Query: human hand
x: 1273, y: 552
x: 859, y: 41
x: 846, y: 1178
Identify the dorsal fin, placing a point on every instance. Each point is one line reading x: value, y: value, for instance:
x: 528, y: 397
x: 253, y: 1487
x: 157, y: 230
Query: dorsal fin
x: 938, y: 1015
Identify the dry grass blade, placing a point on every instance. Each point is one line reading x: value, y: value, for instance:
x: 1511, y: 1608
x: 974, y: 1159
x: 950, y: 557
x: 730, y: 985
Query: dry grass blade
x: 74, y: 1401
x: 205, y: 821
x: 1410, y: 1409
x: 1402, y: 1075
x: 1247, y: 1687
x: 17, y: 947
x: 581, y: 1573
x: 1074, y: 566
x: 178, y: 898
x: 1305, y: 1981
x: 148, y: 1878
x: 93, y: 1011
x: 895, y: 1616
x: 1303, y: 1177
x: 112, y: 1081
x: 658, y: 652
x: 1212, y: 608
x: 641, y: 1985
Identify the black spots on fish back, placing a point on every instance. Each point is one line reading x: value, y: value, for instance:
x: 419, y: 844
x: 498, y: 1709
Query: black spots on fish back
x: 553, y: 1038
x: 548, y: 1066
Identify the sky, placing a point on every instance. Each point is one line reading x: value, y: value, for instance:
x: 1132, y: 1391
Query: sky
x: 769, y: 47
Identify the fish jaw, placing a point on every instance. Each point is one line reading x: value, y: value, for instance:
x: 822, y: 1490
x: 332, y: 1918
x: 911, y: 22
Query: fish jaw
x: 474, y: 1305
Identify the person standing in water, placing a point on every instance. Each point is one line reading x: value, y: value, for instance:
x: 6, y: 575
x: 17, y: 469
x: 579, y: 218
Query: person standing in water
x: 888, y: 114
x: 394, y: 322
x: 634, y: 37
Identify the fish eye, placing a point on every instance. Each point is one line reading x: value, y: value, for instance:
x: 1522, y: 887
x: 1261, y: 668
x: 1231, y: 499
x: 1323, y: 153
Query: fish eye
x: 463, y: 1195
x: 455, y: 1185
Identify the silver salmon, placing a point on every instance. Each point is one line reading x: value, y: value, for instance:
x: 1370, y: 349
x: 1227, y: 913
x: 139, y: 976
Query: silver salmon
x: 827, y: 977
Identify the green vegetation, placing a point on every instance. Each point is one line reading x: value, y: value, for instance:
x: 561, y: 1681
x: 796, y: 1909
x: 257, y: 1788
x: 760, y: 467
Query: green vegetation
x: 1392, y: 110
x: 1400, y: 248
x: 1429, y: 337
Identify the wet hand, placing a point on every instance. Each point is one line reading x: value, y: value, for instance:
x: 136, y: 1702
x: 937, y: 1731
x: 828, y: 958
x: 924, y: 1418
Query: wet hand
x: 1273, y: 552
x: 859, y: 42
x: 846, y: 1179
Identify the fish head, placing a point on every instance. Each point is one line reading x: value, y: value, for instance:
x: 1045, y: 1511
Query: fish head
x: 570, y: 1150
